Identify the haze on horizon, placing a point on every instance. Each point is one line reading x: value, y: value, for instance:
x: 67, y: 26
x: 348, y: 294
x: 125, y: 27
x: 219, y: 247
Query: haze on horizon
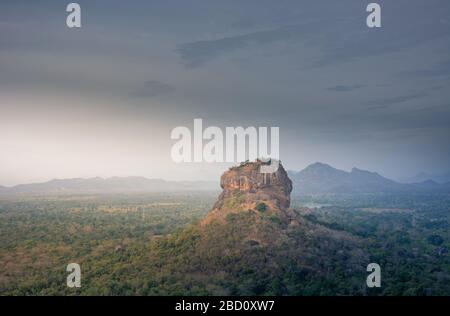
x: 102, y: 100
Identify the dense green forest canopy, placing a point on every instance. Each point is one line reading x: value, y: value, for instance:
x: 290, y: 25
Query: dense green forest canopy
x: 147, y: 244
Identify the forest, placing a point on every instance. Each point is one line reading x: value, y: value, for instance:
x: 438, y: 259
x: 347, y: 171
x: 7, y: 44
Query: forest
x: 149, y: 244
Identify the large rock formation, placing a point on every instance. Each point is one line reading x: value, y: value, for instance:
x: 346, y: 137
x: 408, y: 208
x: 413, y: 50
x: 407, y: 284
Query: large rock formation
x: 247, y: 180
x: 253, y: 243
x: 246, y: 189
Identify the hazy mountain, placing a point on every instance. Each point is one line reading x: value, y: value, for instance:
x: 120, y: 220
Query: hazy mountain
x: 322, y: 178
x: 423, y: 176
x: 316, y: 178
x: 109, y: 185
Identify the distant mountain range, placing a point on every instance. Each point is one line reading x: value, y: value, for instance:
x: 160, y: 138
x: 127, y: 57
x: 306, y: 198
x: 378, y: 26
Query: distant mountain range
x: 423, y: 176
x: 109, y: 185
x: 322, y: 178
x: 317, y: 178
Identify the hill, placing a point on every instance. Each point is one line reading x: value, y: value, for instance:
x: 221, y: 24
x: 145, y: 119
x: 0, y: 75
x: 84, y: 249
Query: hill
x: 322, y: 178
x: 423, y: 176
x: 252, y: 243
x: 109, y: 185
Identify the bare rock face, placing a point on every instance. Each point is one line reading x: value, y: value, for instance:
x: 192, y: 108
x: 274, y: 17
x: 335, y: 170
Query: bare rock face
x: 245, y: 187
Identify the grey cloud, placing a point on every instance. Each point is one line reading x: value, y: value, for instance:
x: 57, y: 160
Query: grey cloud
x: 411, y: 122
x: 345, y: 88
x: 418, y: 119
x: 386, y: 102
x: 152, y: 88
x: 300, y: 65
x: 439, y: 70
x: 196, y: 53
x: 338, y: 38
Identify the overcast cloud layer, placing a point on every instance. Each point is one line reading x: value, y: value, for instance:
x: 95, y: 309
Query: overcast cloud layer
x: 102, y: 100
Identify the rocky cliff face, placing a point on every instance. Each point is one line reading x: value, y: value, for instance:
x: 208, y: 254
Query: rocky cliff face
x: 245, y: 188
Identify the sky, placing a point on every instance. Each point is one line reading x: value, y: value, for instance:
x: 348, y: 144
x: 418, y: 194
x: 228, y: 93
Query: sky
x: 101, y: 100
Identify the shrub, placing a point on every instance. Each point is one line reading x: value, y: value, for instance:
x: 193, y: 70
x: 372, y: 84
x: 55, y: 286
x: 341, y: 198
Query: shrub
x: 261, y: 207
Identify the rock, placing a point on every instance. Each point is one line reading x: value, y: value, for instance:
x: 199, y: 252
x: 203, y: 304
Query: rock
x: 251, y: 235
x: 250, y: 186
x: 246, y: 189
